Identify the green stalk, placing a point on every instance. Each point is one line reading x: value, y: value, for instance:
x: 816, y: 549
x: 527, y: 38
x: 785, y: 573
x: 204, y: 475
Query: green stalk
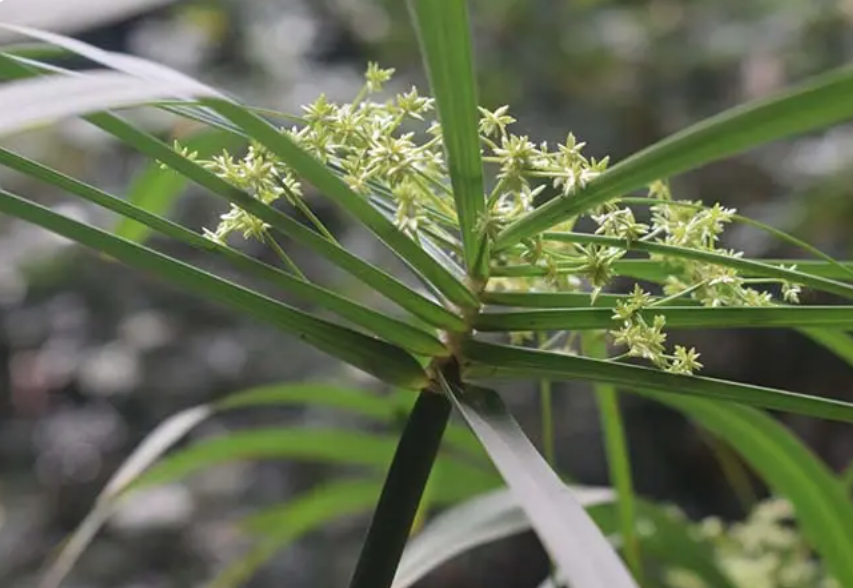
x: 549, y: 450
x: 547, y: 412
x: 401, y: 494
x: 618, y: 456
x: 282, y: 255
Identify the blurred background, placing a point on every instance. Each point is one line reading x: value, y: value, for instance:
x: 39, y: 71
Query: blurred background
x: 93, y: 356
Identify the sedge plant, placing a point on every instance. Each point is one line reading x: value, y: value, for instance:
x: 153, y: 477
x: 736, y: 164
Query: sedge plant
x: 509, y: 288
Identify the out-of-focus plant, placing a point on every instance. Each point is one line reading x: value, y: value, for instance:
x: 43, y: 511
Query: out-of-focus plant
x: 764, y: 551
x: 460, y: 199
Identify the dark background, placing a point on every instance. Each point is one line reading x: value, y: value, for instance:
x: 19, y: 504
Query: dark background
x: 93, y: 356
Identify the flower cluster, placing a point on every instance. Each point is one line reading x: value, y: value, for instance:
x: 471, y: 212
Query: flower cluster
x: 765, y: 551
x: 391, y: 152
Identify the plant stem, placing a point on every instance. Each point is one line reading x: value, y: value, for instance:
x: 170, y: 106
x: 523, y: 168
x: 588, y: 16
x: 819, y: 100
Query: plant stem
x: 546, y: 407
x: 618, y: 457
x: 402, y: 492
x: 546, y: 401
x: 284, y: 257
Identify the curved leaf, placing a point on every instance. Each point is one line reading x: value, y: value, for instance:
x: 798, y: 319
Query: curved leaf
x: 823, y: 509
x: 573, y: 541
x: 33, y: 102
x: 483, y: 519
x: 322, y: 445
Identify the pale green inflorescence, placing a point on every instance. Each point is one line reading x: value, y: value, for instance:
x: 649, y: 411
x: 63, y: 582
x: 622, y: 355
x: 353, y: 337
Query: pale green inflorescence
x: 764, y: 551
x: 392, y: 152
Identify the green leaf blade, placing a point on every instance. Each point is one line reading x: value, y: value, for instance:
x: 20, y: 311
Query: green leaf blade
x: 576, y: 545
x: 689, y: 317
x: 444, y: 32
x: 487, y: 360
x: 375, y: 357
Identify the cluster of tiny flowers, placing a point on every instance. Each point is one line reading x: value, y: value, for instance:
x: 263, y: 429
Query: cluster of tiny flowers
x: 391, y: 152
x: 259, y: 174
x: 648, y: 340
x: 765, y: 551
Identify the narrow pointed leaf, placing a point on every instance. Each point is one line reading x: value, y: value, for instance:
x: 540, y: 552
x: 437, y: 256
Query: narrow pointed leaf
x: 828, y: 317
x: 304, y: 164
x: 369, y: 274
x: 481, y: 520
x: 823, y: 509
x: 571, y: 538
x: 551, y: 299
x: 444, y: 32
x: 373, y: 356
x: 657, y: 271
x: 819, y: 103
x: 315, y: 445
x: 487, y: 360
x: 331, y: 186
x: 383, y: 283
x: 27, y: 103
x: 131, y: 65
x: 389, y: 328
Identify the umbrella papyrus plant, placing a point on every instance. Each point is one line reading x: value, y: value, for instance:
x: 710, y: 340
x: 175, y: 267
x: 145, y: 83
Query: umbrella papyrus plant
x: 485, y: 221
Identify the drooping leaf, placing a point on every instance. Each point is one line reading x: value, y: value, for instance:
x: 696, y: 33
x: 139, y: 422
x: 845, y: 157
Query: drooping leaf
x: 574, y: 543
x: 27, y: 103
